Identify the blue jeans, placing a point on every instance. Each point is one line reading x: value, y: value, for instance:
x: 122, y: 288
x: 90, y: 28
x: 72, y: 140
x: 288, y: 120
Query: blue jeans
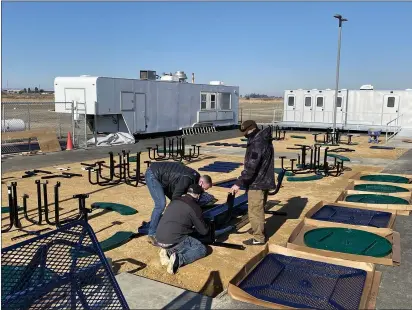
x: 158, y: 195
x: 188, y: 250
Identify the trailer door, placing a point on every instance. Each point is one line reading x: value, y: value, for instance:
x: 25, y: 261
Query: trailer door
x: 140, y: 112
x: 340, y: 109
x: 290, y: 108
x: 319, y: 108
x: 307, y: 109
x: 127, y: 108
x: 390, y: 110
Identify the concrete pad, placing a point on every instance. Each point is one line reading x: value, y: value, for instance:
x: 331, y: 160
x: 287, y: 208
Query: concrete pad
x: 395, y: 288
x: 403, y: 165
x: 143, y: 293
x: 17, y: 163
x: 224, y: 301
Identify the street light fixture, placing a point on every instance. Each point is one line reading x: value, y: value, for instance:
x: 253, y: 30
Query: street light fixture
x: 341, y: 20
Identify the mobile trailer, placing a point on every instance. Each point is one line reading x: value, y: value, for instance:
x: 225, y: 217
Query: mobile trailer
x: 357, y: 110
x: 141, y: 107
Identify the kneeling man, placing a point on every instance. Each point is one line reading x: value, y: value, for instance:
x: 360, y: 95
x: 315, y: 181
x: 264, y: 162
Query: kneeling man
x: 181, y: 218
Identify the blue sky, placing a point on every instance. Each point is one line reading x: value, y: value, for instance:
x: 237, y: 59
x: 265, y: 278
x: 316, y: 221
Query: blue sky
x: 263, y: 47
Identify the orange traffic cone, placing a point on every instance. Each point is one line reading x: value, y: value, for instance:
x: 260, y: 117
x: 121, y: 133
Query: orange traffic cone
x: 69, y: 145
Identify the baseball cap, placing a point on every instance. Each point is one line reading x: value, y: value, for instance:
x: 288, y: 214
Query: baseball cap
x: 248, y: 125
x: 195, y: 189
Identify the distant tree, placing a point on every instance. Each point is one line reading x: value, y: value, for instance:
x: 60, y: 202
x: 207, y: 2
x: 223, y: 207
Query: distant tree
x: 36, y: 90
x: 25, y: 90
x: 20, y: 92
x: 29, y: 90
x: 41, y: 90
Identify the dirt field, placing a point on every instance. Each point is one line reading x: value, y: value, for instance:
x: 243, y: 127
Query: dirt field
x: 211, y: 274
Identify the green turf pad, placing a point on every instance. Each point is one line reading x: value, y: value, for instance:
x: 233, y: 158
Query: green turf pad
x: 17, y: 272
x: 380, y: 188
x: 243, y: 140
x: 304, y: 179
x: 118, y: 239
x: 7, y: 209
x: 351, y: 241
x: 385, y: 178
x: 116, y: 207
x: 298, y: 137
x: 288, y: 173
x: 132, y: 159
x: 342, y: 158
x: 326, y: 144
x: 376, y: 199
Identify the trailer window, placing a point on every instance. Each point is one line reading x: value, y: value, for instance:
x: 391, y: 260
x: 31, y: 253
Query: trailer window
x: 203, y: 101
x: 391, y: 102
x: 212, y: 101
x: 224, y: 101
x: 339, y: 102
x: 308, y: 101
x: 319, y: 102
x: 291, y: 101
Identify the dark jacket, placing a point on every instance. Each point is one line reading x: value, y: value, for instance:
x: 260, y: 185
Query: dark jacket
x: 174, y: 177
x: 259, y: 167
x: 181, y: 218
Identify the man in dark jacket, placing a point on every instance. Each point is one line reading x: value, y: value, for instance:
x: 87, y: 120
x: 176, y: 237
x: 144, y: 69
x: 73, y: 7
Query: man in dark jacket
x: 182, y: 217
x: 170, y: 179
x: 258, y: 177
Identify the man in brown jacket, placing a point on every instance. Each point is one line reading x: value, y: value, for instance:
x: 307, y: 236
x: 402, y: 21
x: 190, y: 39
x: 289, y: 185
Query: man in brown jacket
x: 258, y: 177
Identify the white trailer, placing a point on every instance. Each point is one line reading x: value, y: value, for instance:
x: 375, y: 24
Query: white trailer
x: 147, y: 105
x: 359, y: 110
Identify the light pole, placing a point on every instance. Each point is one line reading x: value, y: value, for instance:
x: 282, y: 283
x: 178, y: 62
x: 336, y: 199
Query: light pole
x: 341, y: 20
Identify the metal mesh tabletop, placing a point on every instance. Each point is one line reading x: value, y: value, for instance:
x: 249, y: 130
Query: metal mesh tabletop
x: 352, y: 216
x: 52, y: 272
x: 302, y: 283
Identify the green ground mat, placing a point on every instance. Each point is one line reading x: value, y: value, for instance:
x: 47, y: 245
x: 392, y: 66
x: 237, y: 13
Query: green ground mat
x: 377, y: 199
x: 325, y: 144
x: 116, y: 207
x: 118, y: 239
x: 380, y: 188
x: 288, y: 173
x: 385, y: 178
x: 304, y: 179
x: 6, y: 209
x: 298, y: 137
x: 351, y: 241
x: 342, y: 158
x: 17, y: 271
x: 132, y: 159
x: 243, y: 140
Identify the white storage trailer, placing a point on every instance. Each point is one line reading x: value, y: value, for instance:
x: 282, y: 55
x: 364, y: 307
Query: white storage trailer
x: 145, y: 106
x: 356, y: 109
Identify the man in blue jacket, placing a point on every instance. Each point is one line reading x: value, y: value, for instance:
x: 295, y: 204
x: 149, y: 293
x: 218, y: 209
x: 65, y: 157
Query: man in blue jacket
x: 171, y: 180
x: 258, y: 177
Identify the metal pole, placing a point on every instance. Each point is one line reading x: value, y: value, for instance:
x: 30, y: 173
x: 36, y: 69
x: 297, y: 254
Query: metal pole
x: 73, y: 126
x: 95, y: 124
x: 341, y: 20
x: 85, y: 125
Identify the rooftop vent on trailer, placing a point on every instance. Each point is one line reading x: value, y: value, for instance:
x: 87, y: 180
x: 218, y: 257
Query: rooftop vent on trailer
x: 366, y: 87
x: 147, y: 75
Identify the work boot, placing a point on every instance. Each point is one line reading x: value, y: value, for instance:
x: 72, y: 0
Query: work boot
x: 152, y: 240
x: 253, y: 241
x: 164, y: 258
x: 173, y: 265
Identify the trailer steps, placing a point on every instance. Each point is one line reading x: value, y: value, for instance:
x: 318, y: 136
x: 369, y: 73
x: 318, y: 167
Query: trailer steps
x: 188, y: 131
